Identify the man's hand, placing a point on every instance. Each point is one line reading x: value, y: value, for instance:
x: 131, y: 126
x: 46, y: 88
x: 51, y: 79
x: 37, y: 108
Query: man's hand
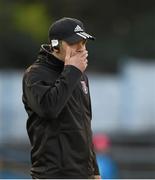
x: 79, y: 59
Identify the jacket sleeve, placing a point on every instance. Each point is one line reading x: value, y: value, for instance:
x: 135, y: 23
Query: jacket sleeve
x: 95, y: 165
x: 48, y: 99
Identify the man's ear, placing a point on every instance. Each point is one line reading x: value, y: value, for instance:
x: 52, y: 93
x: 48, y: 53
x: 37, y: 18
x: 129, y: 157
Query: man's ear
x: 56, y: 48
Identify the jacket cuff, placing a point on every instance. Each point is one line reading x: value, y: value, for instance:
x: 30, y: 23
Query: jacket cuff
x: 72, y: 73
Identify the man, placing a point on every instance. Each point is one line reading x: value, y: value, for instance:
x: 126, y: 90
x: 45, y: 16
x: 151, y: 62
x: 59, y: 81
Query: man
x: 56, y: 98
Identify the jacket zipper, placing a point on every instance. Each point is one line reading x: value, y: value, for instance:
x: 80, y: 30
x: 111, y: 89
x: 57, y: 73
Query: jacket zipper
x: 86, y: 129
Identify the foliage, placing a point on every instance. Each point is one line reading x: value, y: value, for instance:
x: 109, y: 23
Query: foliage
x: 32, y: 18
x: 122, y: 28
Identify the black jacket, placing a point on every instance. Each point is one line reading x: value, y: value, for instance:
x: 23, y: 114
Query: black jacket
x: 57, y: 100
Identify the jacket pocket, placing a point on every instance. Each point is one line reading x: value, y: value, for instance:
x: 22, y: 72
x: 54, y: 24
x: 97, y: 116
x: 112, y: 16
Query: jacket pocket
x: 74, y: 151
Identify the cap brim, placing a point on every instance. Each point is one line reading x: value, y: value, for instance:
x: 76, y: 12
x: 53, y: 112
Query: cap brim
x: 79, y: 36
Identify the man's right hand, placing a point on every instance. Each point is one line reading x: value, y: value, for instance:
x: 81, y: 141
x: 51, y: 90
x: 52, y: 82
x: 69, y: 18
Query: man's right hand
x: 78, y: 59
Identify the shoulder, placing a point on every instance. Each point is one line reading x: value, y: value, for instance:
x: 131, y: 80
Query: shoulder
x: 37, y: 72
x: 31, y: 74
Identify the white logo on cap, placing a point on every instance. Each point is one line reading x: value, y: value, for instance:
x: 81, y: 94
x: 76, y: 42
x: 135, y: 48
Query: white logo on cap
x: 78, y: 29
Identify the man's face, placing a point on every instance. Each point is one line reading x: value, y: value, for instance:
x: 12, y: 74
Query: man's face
x: 75, y: 48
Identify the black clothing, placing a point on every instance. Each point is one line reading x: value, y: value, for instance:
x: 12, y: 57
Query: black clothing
x: 56, y: 98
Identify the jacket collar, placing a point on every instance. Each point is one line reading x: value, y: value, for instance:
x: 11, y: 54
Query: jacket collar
x: 46, y: 56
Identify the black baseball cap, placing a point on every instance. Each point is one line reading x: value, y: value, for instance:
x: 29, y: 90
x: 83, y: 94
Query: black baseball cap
x: 68, y: 29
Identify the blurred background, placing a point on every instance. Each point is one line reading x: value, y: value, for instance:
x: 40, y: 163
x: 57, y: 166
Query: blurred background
x: 121, y: 74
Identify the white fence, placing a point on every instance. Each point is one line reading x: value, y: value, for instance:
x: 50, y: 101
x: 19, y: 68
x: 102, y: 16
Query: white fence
x: 125, y: 102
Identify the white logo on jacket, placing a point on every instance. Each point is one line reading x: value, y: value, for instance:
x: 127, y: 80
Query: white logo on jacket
x: 84, y: 87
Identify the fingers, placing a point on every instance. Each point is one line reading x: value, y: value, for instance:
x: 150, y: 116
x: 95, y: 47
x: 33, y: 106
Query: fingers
x: 76, y: 58
x: 86, y: 61
x: 68, y: 52
x: 84, y: 57
x: 83, y: 54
